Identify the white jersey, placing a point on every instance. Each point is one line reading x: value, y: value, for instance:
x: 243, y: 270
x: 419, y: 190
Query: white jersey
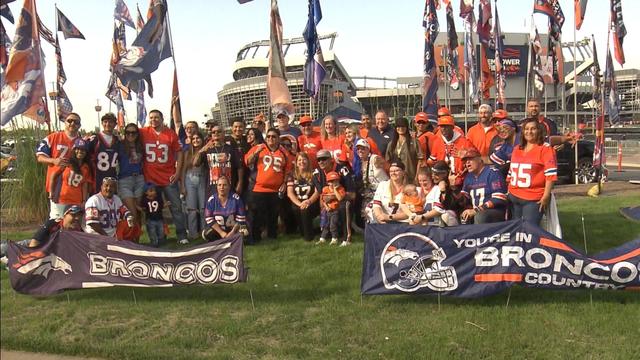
x: 384, y: 200
x: 106, y: 212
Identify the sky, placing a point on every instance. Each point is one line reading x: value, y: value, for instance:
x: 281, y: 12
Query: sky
x: 375, y: 38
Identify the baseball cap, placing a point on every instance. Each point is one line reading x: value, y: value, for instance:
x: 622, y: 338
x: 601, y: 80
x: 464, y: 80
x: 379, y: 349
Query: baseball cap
x: 282, y: 112
x: 507, y: 122
x: 333, y: 176
x: 363, y: 143
x: 440, y: 167
x: 79, y: 143
x: 396, y: 163
x: 444, y: 111
x: 469, y: 153
x: 73, y: 209
x: 446, y: 120
x: 421, y: 116
x: 500, y: 114
x: 323, y: 154
x: 305, y: 119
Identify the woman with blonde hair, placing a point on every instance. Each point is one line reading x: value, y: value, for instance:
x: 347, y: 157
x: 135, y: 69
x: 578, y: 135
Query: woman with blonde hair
x: 300, y: 189
x: 330, y: 137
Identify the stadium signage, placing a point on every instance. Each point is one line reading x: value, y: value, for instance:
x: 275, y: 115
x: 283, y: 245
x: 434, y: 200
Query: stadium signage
x: 479, y: 260
x: 74, y: 260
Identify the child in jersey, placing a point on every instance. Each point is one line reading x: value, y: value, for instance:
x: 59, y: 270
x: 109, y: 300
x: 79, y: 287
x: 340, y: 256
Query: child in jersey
x: 412, y: 203
x: 332, y: 194
x: 70, y: 184
x: 152, y: 204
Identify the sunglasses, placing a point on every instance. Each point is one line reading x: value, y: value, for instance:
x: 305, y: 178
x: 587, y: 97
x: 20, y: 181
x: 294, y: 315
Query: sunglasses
x: 422, y: 122
x: 131, y: 132
x: 77, y: 122
x: 272, y: 136
x: 323, y: 159
x: 305, y: 124
x: 109, y: 179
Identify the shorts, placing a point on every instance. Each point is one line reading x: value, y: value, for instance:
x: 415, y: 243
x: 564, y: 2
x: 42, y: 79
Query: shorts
x: 131, y: 186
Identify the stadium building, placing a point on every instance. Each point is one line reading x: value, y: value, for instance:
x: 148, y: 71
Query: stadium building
x: 246, y: 96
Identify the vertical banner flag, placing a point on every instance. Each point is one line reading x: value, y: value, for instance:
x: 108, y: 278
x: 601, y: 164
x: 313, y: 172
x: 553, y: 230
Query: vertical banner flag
x: 536, y: 61
x: 121, y: 12
x: 486, y: 78
x: 115, y: 95
x: 599, y: 157
x: 277, y: 89
x: 468, y: 21
x: 5, y: 44
x: 176, y: 110
x: 552, y: 9
x: 501, y: 80
x: 486, y: 42
x: 139, y: 20
x: 619, y: 30
x: 68, y: 29
x: 430, y: 82
x: 452, y: 53
x: 141, y: 110
x: 314, y: 67
x: 612, y: 102
x: 580, y: 8
x: 150, y: 47
x: 63, y: 102
x: 482, y: 260
x: 24, y: 89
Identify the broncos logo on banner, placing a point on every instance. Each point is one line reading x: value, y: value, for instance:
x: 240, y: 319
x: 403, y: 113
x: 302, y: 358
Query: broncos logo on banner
x: 42, y: 264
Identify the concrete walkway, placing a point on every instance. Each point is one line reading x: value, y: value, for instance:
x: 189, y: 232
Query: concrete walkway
x: 21, y: 355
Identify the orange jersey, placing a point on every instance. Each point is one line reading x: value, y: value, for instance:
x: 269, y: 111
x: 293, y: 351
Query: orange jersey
x: 364, y: 132
x: 334, y: 146
x: 311, y: 145
x: 160, y: 154
x: 55, y: 145
x: 416, y: 203
x: 68, y: 186
x: 426, y: 141
x: 269, y: 168
x: 530, y: 170
x: 449, y: 150
x: 480, y: 138
x: 329, y: 198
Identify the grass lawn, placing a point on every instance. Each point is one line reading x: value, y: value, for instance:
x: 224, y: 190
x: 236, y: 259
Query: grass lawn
x: 308, y: 305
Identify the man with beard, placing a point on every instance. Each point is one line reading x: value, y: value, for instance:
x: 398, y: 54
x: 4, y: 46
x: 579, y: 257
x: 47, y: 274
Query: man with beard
x: 481, y: 134
x: 221, y: 159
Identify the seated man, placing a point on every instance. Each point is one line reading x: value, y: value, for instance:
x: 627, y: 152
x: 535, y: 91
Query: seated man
x: 485, y: 189
x: 442, y: 203
x: 71, y: 220
x: 105, y: 209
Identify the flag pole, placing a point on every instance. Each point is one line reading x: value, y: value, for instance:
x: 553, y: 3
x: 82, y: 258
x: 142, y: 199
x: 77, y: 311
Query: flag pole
x: 44, y: 82
x: 526, y: 88
x: 575, y: 94
x: 57, y: 84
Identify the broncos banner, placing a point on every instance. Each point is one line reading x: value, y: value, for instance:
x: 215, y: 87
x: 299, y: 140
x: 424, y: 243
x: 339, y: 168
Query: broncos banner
x: 76, y: 260
x: 478, y: 260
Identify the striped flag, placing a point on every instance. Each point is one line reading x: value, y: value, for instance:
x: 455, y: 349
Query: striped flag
x: 619, y: 30
x: 468, y: 21
x: 430, y: 83
x: 484, y: 24
x: 452, y: 54
x: 579, y: 8
x: 115, y: 96
x: 121, y: 12
x: 314, y: 68
x: 599, y: 158
x: 45, y: 33
x: 501, y: 79
x: 24, y: 89
x: 63, y: 102
x: 68, y: 29
x: 536, y: 60
x: 139, y: 20
x: 279, y: 96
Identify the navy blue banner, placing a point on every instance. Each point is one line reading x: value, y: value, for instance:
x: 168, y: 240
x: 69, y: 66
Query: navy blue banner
x: 479, y: 260
x: 76, y: 260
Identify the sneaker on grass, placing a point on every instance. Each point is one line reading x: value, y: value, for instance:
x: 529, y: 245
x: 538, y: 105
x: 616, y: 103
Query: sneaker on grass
x: 345, y: 243
x: 334, y: 241
x: 183, y: 242
x: 321, y: 241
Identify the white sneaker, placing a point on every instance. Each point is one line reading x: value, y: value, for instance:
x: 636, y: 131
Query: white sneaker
x: 4, y: 260
x: 321, y: 241
x: 183, y: 242
x: 334, y: 241
x: 345, y: 243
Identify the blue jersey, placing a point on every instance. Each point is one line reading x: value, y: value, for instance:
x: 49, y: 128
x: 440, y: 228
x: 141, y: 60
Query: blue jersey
x: 225, y: 216
x: 104, y: 157
x: 487, y: 190
x: 130, y: 163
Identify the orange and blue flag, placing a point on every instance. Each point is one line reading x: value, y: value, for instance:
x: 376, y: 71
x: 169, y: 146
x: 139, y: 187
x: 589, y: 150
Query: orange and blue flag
x: 66, y: 26
x: 430, y: 82
x: 314, y: 68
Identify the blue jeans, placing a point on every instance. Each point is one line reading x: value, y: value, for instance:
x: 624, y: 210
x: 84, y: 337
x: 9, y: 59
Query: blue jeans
x: 155, y: 230
x: 172, y: 194
x: 194, y: 183
x: 528, y: 210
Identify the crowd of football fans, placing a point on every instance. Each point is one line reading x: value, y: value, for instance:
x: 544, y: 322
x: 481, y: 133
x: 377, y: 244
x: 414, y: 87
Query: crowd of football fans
x: 261, y: 180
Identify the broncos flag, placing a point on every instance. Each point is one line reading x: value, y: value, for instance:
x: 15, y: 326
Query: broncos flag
x: 501, y: 79
x: 66, y: 26
x: 472, y: 261
x: 430, y: 82
x: 64, y: 104
x: 279, y: 96
x: 314, y: 67
x: 24, y: 89
x: 619, y: 30
x: 76, y: 260
x: 452, y: 43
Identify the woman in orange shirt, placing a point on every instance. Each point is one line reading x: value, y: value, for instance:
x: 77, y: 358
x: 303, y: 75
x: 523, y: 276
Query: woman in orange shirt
x: 532, y: 173
x: 330, y: 139
x: 70, y: 184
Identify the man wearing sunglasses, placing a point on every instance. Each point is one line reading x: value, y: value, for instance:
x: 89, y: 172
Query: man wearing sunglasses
x: 55, y: 151
x: 221, y: 159
x: 163, y: 165
x: 309, y: 141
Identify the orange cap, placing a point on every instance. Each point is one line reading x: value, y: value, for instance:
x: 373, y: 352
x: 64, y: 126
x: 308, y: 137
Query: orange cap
x: 444, y: 111
x: 421, y: 116
x: 446, y: 120
x: 305, y: 119
x: 500, y: 114
x: 333, y: 176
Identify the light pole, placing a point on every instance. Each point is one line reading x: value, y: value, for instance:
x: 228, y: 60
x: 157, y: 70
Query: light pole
x: 98, y: 109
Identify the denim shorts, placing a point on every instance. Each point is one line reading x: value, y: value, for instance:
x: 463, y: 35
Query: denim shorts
x: 131, y: 186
